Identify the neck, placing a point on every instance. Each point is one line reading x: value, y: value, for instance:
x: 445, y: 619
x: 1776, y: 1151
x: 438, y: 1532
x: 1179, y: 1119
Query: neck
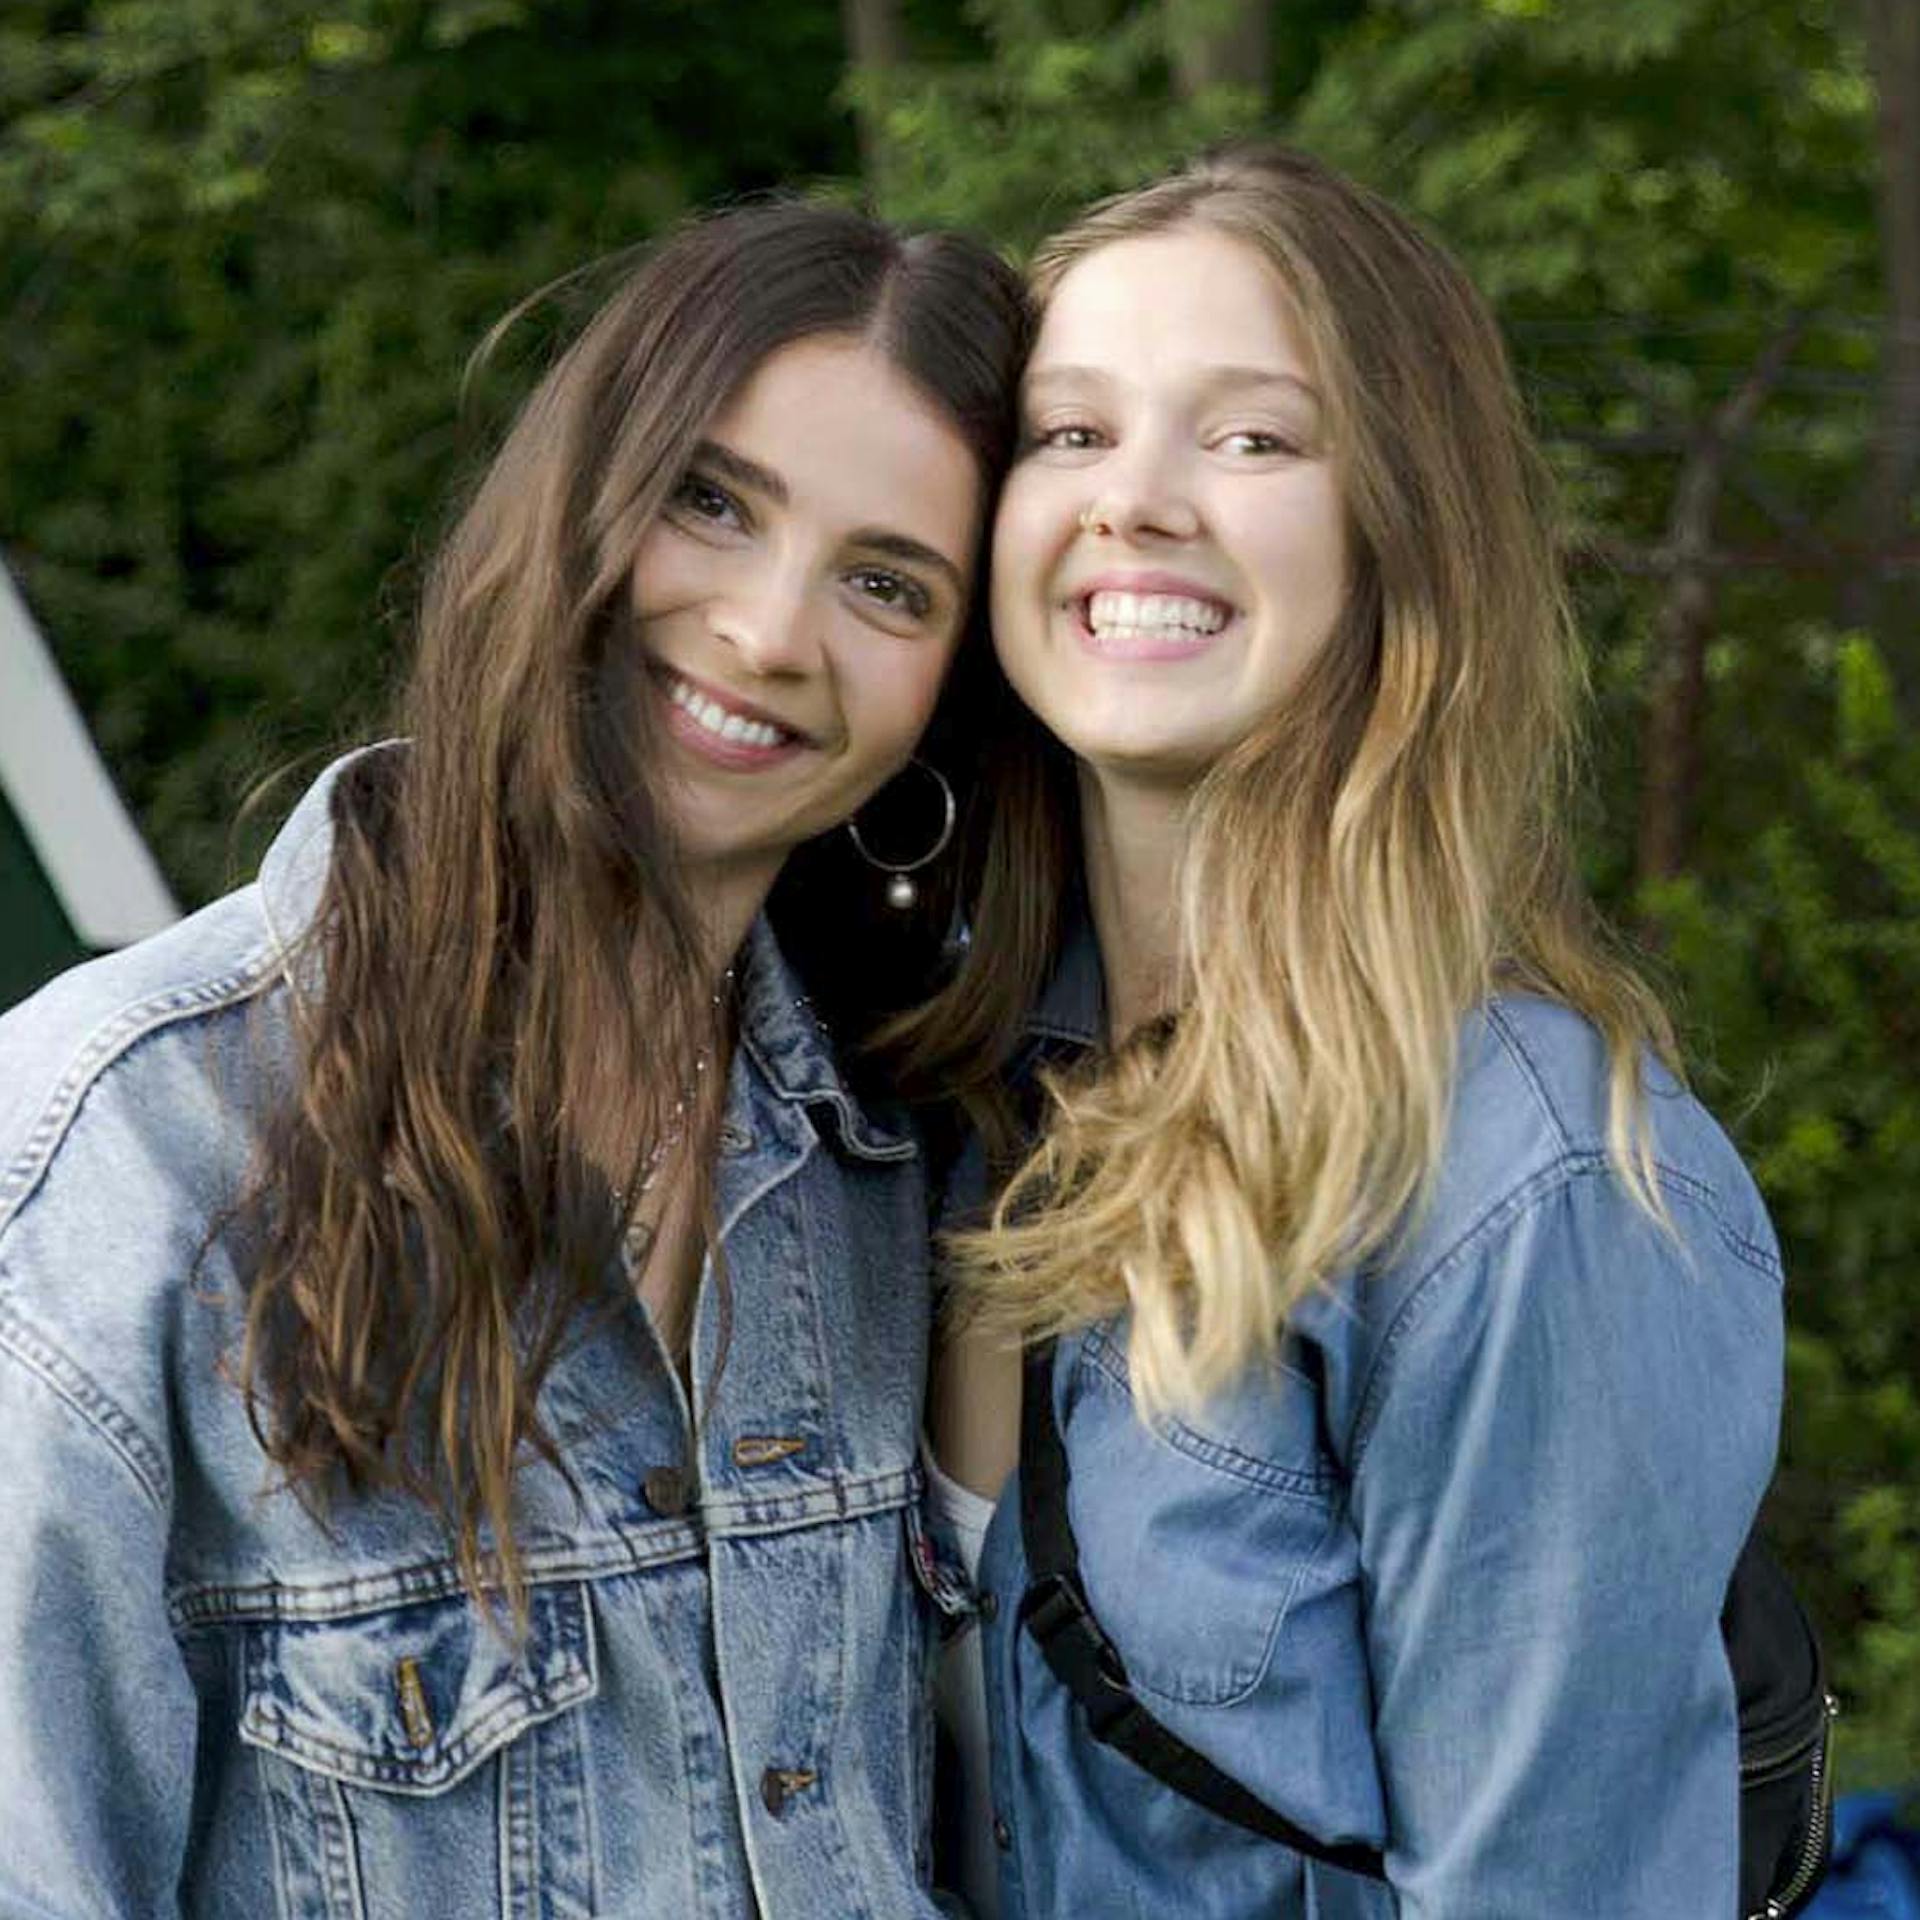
x: 724, y: 902
x: 1132, y: 837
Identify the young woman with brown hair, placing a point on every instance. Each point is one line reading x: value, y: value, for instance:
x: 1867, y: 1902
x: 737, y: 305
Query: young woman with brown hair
x: 461, y: 1322
x: 1417, y: 1337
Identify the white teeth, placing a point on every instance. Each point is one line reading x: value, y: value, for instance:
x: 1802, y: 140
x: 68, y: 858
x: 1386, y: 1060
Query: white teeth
x: 1108, y: 610
x: 716, y: 720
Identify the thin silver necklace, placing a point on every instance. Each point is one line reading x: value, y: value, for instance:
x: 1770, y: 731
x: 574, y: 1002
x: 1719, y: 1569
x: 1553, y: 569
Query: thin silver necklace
x: 637, y: 1237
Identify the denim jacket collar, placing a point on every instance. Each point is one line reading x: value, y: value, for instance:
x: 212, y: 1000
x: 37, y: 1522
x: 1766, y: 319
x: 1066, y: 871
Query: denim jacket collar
x: 784, y: 1037
x: 777, y: 1026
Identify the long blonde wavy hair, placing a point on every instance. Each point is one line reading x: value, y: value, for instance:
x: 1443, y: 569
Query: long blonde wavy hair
x: 1391, y: 846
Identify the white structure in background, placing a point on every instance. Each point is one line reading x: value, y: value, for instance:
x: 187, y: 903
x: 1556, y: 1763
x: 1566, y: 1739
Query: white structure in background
x: 93, y: 856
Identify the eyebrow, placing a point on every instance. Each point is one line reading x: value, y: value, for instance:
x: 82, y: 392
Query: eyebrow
x: 728, y: 465
x: 900, y: 546
x: 725, y: 464
x: 1225, y: 376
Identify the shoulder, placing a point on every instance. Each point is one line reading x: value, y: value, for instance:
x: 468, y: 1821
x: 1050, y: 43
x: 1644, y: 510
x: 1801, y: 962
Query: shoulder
x: 1531, y: 1236
x: 128, y: 1092
x: 157, y: 1038
x: 1532, y: 1114
x: 103, y: 1043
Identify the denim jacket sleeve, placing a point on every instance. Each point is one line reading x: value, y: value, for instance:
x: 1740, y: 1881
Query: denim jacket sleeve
x: 1570, y: 1420
x: 96, y: 1763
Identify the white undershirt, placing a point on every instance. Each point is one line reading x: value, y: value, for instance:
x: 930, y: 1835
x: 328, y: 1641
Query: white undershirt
x: 960, y: 1697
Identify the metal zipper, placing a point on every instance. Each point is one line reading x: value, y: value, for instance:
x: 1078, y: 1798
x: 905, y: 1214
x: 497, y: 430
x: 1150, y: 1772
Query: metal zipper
x: 1784, y: 1758
x: 1783, y: 1903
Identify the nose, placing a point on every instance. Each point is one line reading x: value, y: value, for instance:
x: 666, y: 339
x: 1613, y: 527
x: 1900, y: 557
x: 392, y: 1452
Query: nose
x: 769, y: 621
x: 1143, y: 496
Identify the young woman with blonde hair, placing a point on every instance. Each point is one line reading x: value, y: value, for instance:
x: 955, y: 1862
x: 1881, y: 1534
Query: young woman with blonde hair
x: 1417, y: 1336
x: 462, y: 1324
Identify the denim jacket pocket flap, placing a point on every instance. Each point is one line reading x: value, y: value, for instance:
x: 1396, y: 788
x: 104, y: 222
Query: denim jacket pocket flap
x: 414, y: 1697
x: 1196, y: 1552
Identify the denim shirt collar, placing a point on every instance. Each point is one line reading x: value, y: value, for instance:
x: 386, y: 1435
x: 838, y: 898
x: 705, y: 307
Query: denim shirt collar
x: 1072, y: 1008
x: 778, y: 1028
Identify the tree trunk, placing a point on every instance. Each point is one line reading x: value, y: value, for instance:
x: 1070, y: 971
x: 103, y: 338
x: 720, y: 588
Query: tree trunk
x: 876, y: 44
x: 1885, y: 510
x: 1677, y: 683
x: 1221, y: 43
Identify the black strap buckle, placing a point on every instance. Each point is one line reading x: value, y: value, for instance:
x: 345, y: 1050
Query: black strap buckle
x: 1054, y: 1610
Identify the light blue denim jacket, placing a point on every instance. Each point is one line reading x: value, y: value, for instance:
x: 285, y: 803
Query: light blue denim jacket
x: 1447, y: 1579
x: 212, y: 1703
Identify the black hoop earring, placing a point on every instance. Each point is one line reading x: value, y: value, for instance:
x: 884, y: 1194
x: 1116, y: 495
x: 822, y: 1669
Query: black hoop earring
x: 901, y: 892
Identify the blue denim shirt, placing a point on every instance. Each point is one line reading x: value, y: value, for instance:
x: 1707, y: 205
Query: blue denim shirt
x: 1447, y: 1578
x: 211, y: 1702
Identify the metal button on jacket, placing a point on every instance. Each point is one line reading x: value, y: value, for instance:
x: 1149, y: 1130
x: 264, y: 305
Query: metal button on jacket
x: 669, y: 1491
x: 778, y: 1785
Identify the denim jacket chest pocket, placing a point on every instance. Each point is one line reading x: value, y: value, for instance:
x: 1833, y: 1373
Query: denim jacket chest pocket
x: 1207, y: 1544
x: 425, y: 1746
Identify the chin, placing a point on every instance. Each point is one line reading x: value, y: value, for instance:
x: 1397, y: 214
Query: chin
x: 1147, y: 762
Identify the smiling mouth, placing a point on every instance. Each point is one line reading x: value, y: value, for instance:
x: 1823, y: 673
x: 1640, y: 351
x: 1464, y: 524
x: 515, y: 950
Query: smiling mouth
x: 727, y: 725
x: 1150, y: 623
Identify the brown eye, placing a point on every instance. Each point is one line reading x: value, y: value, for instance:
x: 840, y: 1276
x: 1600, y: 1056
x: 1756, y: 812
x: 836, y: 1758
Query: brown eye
x: 1257, y: 441
x: 896, y: 592
x: 698, y: 498
x: 1071, y: 436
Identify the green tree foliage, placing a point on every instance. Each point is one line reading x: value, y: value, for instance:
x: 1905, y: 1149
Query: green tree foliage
x: 1799, y: 960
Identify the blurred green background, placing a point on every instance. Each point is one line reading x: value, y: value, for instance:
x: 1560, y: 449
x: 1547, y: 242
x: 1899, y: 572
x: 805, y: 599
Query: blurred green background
x: 246, y: 248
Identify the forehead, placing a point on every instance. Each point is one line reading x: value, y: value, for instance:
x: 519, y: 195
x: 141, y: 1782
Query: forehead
x: 1194, y: 296
x: 854, y: 441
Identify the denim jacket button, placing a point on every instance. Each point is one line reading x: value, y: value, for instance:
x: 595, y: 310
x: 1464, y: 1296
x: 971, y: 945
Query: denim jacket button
x: 1002, y: 1835
x: 989, y: 1606
x: 778, y: 1785
x: 734, y: 1138
x: 668, y: 1492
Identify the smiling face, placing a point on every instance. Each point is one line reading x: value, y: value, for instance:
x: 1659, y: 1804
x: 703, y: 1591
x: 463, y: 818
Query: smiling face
x: 799, y: 598
x: 1171, y: 550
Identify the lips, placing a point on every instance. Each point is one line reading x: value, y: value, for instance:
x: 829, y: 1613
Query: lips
x: 723, y: 728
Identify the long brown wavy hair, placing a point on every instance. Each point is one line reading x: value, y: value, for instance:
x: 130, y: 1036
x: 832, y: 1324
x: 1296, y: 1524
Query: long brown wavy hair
x: 1387, y: 849
x: 510, y: 993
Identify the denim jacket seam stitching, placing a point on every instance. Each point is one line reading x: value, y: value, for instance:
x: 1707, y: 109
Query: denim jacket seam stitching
x: 77, y: 1390
x: 1749, y: 1253
x: 1576, y: 1164
x: 1498, y: 1217
x: 524, y: 1704
x: 221, y: 1603
x: 1522, y: 1058
x: 1317, y: 1489
x: 208, y: 1603
x: 105, y: 1046
x: 855, y: 1130
x: 849, y: 1497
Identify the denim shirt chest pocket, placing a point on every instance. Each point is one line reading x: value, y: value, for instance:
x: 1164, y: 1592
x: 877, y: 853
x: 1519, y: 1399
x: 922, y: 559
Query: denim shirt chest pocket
x: 1207, y: 1544
x: 389, y: 1741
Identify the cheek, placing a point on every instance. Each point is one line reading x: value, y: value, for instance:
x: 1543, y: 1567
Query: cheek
x: 1298, y: 554
x: 1026, y: 540
x: 901, y: 695
x: 666, y: 573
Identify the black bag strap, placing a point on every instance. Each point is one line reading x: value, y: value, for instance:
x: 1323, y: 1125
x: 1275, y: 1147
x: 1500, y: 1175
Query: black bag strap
x: 1055, y: 1611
